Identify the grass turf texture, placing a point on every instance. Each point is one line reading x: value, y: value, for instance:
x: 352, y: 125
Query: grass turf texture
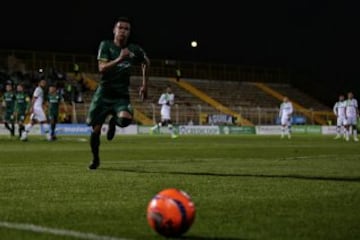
x: 244, y: 187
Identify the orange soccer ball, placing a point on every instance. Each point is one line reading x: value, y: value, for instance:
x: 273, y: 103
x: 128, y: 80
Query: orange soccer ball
x: 171, y: 212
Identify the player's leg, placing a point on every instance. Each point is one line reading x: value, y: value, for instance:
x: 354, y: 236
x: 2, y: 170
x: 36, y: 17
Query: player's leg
x: 283, y: 126
x: 95, y: 118
x: 9, y: 122
x: 171, y: 128
x: 355, y: 134
x: 289, y: 130
x: 338, y: 128
x: 43, y: 121
x: 52, y: 127
x: 289, y: 127
x: 12, y: 126
x: 111, y: 128
x: 156, y: 127
x: 21, y: 128
x: 347, y: 130
x: 20, y: 121
x: 9, y: 127
x: 354, y: 129
x: 45, y: 126
x: 342, y: 126
x: 39, y: 116
x: 95, y: 146
x: 27, y: 128
x: 122, y: 117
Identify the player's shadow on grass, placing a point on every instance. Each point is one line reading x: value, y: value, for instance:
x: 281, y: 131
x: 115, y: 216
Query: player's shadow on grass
x: 289, y: 176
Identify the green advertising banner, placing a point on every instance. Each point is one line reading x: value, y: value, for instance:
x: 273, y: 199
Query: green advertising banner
x: 310, y: 129
x: 237, y: 130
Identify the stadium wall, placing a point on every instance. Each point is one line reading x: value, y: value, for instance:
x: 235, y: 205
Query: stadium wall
x: 84, y: 130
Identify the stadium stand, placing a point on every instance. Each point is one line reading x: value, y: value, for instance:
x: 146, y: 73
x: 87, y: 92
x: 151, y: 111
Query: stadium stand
x: 299, y: 96
x: 233, y: 88
x: 187, y: 105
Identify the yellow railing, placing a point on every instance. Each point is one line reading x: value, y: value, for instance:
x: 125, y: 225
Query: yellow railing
x: 217, y: 105
x: 317, y: 117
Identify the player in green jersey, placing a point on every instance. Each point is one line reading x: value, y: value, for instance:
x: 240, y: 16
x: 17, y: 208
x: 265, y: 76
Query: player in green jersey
x: 9, y: 105
x: 55, y: 100
x: 115, y: 60
x: 21, y: 107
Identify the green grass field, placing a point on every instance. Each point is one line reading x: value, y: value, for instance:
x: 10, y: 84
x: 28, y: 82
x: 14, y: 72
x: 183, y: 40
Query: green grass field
x: 244, y: 187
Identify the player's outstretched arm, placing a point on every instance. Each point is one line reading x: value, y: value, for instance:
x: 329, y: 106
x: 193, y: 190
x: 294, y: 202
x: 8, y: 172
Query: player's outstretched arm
x: 145, y: 79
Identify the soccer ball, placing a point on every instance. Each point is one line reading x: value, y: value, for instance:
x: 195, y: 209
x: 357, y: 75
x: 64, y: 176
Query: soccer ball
x: 171, y: 212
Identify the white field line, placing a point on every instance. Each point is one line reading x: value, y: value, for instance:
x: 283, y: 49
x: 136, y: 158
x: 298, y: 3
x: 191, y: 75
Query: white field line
x: 55, y: 231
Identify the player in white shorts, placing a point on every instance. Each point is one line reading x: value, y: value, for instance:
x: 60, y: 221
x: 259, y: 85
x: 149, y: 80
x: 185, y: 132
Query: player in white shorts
x: 285, y: 112
x: 339, y: 111
x: 166, y: 100
x: 352, y: 113
x: 37, y: 111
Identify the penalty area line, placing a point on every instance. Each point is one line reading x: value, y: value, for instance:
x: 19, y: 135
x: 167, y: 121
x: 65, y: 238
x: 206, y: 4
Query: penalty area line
x: 55, y: 231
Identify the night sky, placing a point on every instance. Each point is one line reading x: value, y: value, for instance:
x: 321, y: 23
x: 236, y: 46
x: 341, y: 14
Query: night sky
x: 322, y: 36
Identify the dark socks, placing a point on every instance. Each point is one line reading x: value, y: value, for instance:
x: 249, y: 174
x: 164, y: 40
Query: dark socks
x: 10, y: 128
x: 21, y: 129
x: 52, y: 129
x: 94, y: 144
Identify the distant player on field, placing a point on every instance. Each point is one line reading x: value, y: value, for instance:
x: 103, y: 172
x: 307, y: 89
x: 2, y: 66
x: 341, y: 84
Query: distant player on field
x: 351, y: 115
x: 166, y: 100
x: 339, y: 111
x: 54, y: 99
x: 285, y: 113
x: 9, y: 105
x: 21, y: 107
x: 37, y: 113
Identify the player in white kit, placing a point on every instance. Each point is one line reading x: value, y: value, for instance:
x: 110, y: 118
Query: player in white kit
x: 37, y: 111
x: 285, y: 112
x: 352, y: 113
x: 339, y: 111
x: 166, y: 100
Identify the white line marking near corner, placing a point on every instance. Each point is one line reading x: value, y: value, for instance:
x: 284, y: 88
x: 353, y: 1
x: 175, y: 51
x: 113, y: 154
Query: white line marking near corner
x: 55, y: 231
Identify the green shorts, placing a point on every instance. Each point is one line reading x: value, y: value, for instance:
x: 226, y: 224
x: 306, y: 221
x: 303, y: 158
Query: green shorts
x: 9, y: 117
x: 20, y: 115
x: 101, y: 107
x: 53, y: 116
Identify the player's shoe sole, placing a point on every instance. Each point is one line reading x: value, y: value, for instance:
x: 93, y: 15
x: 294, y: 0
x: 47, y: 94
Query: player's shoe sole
x: 111, y: 131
